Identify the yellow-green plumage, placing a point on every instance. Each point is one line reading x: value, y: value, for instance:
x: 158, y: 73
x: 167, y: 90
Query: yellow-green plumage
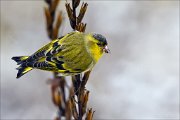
x: 71, y: 54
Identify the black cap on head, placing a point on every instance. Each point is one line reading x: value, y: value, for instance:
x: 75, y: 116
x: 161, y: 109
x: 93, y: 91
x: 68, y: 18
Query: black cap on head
x: 100, y: 38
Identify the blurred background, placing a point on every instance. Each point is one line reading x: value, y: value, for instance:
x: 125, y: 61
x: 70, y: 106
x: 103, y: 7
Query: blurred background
x: 138, y: 80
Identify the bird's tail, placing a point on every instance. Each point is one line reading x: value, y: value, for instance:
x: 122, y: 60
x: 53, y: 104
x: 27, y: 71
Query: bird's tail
x: 20, y: 59
x: 23, y: 68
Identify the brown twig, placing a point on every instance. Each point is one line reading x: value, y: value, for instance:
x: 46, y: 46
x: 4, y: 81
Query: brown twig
x: 76, y: 104
x: 79, y: 82
x: 58, y: 83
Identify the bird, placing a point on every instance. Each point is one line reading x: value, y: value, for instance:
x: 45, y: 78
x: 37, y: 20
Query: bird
x: 71, y: 54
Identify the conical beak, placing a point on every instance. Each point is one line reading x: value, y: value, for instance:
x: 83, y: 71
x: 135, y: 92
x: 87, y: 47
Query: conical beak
x: 106, y: 49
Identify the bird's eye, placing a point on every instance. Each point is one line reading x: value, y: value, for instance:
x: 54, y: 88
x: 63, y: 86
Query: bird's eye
x: 99, y: 44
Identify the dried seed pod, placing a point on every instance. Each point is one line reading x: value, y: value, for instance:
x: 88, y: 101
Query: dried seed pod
x: 53, y: 6
x: 68, y: 110
x: 69, y: 10
x: 72, y: 18
x: 48, y: 21
x: 71, y: 92
x: 86, y: 74
x: 48, y: 1
x: 83, y: 30
x: 55, y: 33
x: 85, y: 100
x: 81, y: 27
x: 81, y: 96
x: 89, y: 115
x: 58, y: 24
x: 59, y: 20
x: 82, y: 12
x: 48, y: 16
x: 56, y: 96
x: 75, y: 3
x: 73, y: 108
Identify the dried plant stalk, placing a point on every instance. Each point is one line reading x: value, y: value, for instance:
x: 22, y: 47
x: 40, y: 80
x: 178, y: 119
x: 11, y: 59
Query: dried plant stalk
x: 76, y: 104
x: 58, y: 83
x: 79, y: 82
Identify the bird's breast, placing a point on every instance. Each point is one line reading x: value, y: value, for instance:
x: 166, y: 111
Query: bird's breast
x: 95, y: 51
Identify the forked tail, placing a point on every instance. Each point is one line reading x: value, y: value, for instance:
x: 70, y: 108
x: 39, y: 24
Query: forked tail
x: 23, y: 68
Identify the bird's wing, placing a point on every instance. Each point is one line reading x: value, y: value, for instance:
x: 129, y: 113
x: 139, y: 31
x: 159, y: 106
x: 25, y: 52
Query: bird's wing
x: 48, y: 50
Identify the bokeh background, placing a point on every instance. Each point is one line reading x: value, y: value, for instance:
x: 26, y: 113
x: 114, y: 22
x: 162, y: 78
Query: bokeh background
x: 138, y: 80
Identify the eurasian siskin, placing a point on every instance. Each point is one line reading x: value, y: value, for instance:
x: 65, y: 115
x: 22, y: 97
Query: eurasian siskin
x: 71, y: 54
